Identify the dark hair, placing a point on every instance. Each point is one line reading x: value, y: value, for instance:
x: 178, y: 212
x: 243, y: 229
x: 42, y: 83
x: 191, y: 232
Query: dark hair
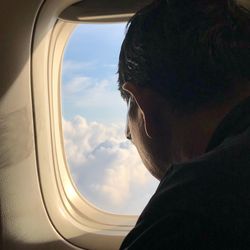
x: 190, y: 51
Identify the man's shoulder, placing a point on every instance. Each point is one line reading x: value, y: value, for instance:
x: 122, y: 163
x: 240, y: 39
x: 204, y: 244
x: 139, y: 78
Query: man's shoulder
x: 183, y: 230
x: 203, y: 201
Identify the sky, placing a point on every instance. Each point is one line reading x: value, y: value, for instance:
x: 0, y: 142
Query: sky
x: 105, y: 166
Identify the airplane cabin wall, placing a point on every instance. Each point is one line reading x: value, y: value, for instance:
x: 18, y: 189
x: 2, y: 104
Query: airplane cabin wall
x: 24, y: 222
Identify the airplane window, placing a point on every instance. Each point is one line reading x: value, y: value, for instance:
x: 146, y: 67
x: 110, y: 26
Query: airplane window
x: 104, y: 165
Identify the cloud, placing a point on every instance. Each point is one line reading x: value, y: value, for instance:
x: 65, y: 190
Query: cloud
x: 96, y: 99
x: 88, y: 91
x: 72, y: 66
x: 99, y: 93
x: 106, y: 168
x: 77, y: 84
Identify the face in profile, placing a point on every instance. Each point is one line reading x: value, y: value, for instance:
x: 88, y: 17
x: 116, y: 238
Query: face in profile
x: 140, y: 129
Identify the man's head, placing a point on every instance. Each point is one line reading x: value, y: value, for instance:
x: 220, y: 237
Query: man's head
x: 179, y: 60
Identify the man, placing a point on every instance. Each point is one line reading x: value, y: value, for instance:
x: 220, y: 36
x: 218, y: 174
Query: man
x: 184, y: 70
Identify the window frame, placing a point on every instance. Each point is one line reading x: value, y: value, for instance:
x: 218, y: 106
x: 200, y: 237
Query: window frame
x: 74, y: 218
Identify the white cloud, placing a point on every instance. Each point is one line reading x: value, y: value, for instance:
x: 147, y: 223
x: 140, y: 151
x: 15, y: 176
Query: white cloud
x: 99, y: 93
x: 70, y: 66
x: 90, y: 92
x: 77, y: 84
x: 96, y: 99
x: 106, y: 167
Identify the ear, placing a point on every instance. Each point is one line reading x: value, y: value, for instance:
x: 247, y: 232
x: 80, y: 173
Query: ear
x: 145, y: 102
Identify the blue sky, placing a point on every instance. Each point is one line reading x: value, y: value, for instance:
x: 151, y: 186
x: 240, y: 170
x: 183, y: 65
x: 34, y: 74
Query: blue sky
x: 91, y: 57
x: 104, y: 164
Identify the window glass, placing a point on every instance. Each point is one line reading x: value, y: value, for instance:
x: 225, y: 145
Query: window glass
x: 104, y: 165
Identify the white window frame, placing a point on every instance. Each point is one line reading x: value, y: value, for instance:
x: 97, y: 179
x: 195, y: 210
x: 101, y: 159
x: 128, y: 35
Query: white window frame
x: 74, y: 218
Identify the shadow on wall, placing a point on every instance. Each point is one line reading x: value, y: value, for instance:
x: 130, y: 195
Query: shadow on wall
x: 16, y: 39
x: 10, y: 137
x: 60, y: 245
x: 54, y: 245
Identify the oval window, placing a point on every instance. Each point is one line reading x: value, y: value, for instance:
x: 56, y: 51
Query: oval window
x: 104, y: 165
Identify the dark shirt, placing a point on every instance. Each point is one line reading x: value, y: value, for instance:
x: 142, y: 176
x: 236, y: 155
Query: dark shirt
x: 205, y: 203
